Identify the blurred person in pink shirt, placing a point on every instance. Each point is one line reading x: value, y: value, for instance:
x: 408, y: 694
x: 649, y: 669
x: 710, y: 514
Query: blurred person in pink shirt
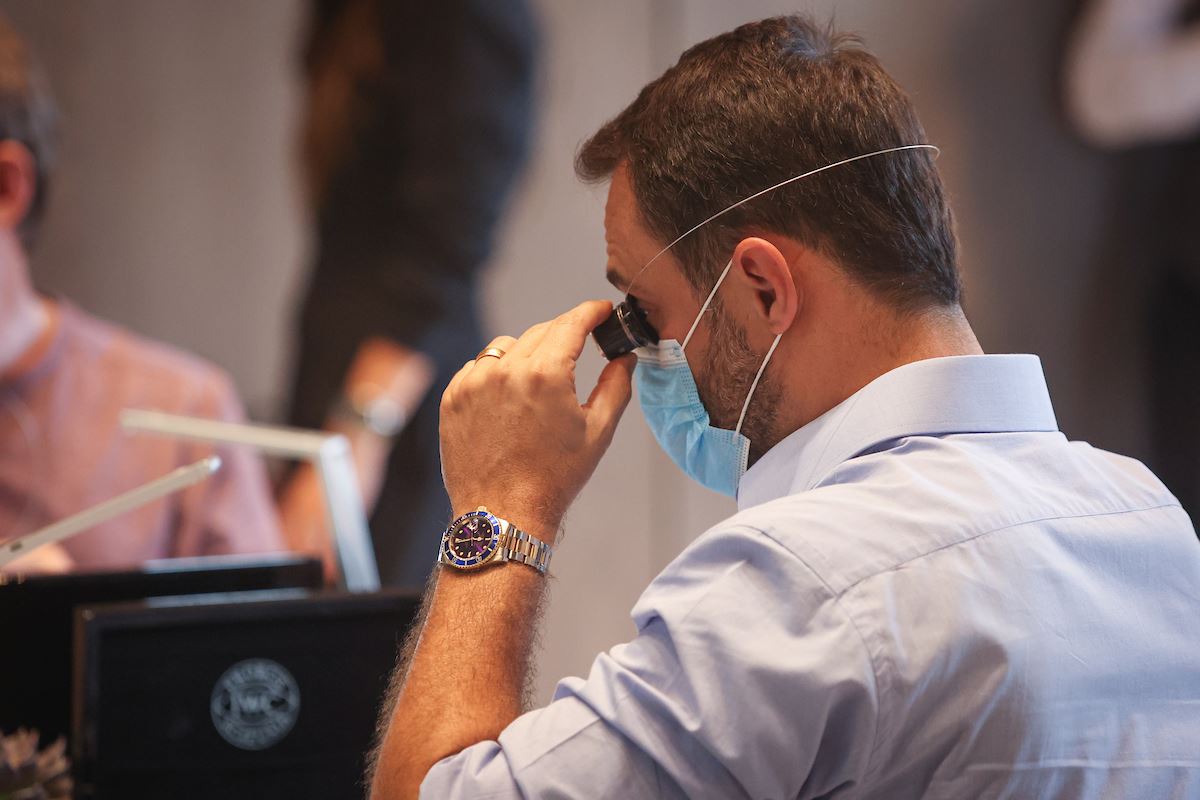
x: 66, y: 376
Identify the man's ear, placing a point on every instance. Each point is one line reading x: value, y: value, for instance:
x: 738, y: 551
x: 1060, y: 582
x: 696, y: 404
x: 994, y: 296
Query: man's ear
x: 761, y: 266
x: 18, y: 183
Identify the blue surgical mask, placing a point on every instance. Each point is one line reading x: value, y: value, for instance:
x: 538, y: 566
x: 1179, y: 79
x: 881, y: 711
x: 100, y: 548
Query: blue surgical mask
x: 714, y: 457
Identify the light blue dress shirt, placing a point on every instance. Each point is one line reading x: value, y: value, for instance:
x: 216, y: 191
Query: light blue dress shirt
x: 926, y: 592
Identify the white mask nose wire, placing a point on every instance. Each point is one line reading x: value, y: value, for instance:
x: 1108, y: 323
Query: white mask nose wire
x: 761, y: 369
x: 703, y: 308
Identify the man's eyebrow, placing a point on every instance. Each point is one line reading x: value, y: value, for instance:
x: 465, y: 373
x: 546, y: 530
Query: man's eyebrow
x: 615, y: 279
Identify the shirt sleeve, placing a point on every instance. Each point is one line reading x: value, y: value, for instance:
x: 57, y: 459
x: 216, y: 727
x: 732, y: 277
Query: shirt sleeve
x: 746, y: 679
x: 233, y: 510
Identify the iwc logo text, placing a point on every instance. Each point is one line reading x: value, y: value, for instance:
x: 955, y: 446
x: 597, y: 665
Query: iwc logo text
x: 255, y: 703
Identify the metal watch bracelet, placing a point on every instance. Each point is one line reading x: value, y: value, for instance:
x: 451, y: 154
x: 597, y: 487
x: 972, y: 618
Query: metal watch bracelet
x: 520, y: 546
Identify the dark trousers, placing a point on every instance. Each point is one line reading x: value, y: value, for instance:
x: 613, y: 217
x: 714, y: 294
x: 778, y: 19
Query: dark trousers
x: 1175, y: 387
x: 413, y: 510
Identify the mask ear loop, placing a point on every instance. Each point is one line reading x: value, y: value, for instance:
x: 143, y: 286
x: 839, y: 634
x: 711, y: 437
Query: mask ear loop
x: 703, y: 308
x: 761, y: 369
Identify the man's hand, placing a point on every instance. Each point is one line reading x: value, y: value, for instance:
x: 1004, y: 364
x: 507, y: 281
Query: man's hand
x: 516, y: 439
x: 514, y: 435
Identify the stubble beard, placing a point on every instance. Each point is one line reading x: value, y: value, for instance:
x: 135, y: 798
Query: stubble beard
x: 729, y: 370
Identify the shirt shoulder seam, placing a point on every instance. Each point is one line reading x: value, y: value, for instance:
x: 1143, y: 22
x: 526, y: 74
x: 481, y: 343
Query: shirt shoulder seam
x: 1010, y: 526
x: 838, y: 597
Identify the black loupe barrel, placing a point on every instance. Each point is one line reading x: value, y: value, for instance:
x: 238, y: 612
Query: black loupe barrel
x: 625, y: 330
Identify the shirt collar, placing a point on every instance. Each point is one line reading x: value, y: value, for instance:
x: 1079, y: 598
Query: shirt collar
x: 934, y: 397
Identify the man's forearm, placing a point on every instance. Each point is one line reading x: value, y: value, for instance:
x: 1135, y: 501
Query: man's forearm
x: 466, y: 678
x: 515, y: 438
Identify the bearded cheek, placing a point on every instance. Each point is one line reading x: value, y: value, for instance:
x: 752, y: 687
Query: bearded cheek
x: 723, y: 388
x: 760, y: 425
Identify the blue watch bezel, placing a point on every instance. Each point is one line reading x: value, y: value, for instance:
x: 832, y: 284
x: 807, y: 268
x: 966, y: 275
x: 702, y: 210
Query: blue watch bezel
x: 448, y: 555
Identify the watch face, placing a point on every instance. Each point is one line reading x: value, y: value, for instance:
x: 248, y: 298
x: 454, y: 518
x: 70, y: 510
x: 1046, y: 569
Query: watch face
x: 472, y: 539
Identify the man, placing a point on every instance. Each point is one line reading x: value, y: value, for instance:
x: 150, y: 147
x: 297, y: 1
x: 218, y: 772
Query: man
x: 66, y: 376
x: 927, y: 590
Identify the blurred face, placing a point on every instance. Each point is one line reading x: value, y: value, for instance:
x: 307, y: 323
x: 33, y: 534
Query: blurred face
x: 18, y: 185
x: 720, y: 358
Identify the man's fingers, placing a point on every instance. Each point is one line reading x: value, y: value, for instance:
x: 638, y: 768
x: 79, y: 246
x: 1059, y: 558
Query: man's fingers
x: 457, y: 380
x: 504, y: 344
x: 610, y: 397
x: 530, y: 339
x: 568, y: 332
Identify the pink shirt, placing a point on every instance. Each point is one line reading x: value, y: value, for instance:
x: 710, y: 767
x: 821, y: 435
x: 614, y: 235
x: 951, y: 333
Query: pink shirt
x: 62, y: 450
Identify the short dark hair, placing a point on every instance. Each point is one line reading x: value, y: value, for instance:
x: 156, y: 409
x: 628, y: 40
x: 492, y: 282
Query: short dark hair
x: 27, y: 115
x: 762, y: 103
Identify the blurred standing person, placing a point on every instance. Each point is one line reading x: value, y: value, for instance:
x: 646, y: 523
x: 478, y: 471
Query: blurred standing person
x: 1133, y: 81
x: 418, y: 120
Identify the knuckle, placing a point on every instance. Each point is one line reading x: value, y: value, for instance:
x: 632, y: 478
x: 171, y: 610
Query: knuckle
x: 472, y: 381
x: 532, y: 379
x: 543, y: 373
x: 500, y: 376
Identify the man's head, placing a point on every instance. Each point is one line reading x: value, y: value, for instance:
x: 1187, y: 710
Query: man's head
x: 838, y: 251
x: 27, y: 122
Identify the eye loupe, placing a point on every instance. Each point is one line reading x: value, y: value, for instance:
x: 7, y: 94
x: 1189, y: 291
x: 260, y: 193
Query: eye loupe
x: 625, y: 330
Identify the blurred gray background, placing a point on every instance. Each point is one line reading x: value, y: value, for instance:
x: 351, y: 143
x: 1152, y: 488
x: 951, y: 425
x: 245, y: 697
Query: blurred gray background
x: 176, y: 212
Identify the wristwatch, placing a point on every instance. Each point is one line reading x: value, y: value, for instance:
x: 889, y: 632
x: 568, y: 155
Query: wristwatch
x: 370, y: 407
x: 479, y: 538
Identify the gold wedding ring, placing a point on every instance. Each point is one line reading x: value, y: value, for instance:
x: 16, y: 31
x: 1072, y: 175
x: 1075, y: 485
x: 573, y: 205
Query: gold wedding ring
x: 490, y: 352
